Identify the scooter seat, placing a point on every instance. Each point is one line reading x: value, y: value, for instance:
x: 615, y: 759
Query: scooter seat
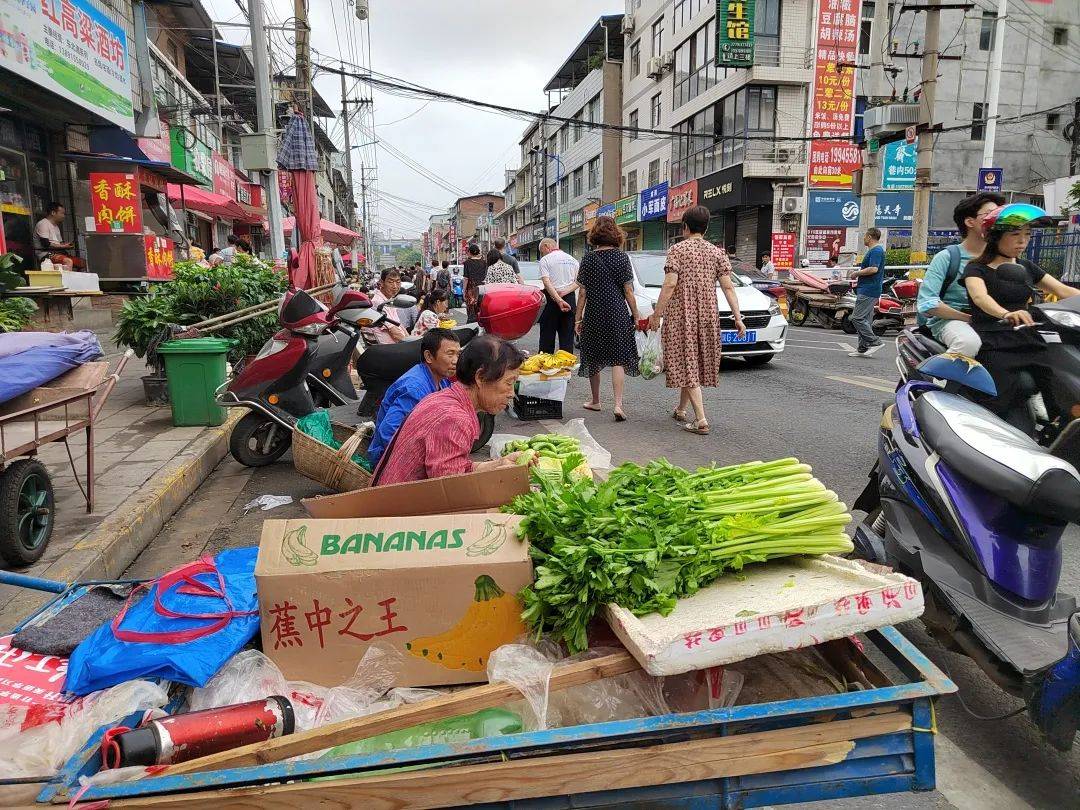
x: 998, y: 457
x: 388, y: 361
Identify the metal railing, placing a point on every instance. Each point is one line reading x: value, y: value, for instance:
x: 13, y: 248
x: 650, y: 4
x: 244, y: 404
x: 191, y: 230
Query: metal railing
x: 779, y: 152
x: 767, y: 54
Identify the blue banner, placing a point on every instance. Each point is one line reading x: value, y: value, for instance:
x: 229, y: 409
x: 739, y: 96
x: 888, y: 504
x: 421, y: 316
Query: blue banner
x: 653, y: 202
x: 894, y: 209
x: 898, y: 166
x: 833, y: 209
x: 606, y: 210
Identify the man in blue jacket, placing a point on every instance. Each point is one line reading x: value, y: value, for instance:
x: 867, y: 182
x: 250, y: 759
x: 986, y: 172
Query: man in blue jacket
x: 943, y: 299
x: 439, y: 349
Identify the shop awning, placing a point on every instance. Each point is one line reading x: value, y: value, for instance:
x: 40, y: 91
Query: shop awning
x: 199, y: 199
x: 331, y: 231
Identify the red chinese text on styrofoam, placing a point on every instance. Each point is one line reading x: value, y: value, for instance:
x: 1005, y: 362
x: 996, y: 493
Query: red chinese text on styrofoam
x: 31, y: 686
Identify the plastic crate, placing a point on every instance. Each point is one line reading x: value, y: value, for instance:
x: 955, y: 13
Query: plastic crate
x: 528, y: 409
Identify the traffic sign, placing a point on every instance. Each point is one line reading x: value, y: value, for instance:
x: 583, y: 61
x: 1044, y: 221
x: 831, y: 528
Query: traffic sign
x: 910, y: 134
x: 873, y: 145
x: 990, y: 179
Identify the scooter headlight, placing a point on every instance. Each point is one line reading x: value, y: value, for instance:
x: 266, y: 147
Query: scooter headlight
x: 1062, y: 317
x: 271, y: 347
x: 311, y: 329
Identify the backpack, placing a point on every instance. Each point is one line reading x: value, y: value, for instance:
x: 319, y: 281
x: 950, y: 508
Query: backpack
x: 950, y: 277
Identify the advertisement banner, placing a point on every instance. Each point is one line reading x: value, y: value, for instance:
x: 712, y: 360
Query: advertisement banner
x: 159, y: 148
x: 833, y: 209
x: 160, y: 257
x: 564, y: 224
x: 783, y: 250
x: 224, y: 177
x: 653, y: 203
x: 823, y: 244
x: 115, y: 202
x: 606, y: 210
x: 72, y: 49
x: 681, y: 198
x: 191, y: 155
x: 591, y: 213
x: 734, y: 33
x: 626, y: 209
x: 832, y: 108
x: 898, y: 166
x: 577, y: 220
x: 894, y: 209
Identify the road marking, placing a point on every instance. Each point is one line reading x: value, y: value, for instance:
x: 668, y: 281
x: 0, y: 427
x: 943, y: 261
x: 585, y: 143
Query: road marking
x: 818, y: 348
x: 873, y: 386
x: 878, y: 380
x: 966, y: 784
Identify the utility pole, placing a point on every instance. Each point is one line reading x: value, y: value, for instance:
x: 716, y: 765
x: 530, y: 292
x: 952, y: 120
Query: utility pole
x: 990, y: 131
x: 920, y: 225
x: 367, y: 225
x: 1074, y: 148
x: 348, y: 152
x: 875, y: 88
x: 303, y: 60
x: 265, y: 107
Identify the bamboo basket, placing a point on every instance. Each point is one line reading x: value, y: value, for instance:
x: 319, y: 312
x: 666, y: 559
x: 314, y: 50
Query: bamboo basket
x: 332, y: 468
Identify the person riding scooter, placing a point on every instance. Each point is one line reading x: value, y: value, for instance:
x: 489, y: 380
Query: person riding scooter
x: 1000, y: 285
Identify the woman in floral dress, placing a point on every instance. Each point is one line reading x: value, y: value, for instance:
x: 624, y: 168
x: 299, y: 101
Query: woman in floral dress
x: 499, y: 272
x: 690, y: 315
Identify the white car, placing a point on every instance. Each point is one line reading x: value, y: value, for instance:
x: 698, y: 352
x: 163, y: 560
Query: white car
x: 766, y: 327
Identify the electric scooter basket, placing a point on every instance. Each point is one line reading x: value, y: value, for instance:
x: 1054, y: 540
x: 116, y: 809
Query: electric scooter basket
x: 509, y: 310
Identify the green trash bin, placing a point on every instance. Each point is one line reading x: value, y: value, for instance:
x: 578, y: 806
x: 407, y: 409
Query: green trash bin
x: 195, y: 367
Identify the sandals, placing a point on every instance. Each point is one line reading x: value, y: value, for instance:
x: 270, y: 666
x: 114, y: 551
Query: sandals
x: 679, y: 416
x: 620, y: 416
x: 590, y: 407
x: 700, y: 427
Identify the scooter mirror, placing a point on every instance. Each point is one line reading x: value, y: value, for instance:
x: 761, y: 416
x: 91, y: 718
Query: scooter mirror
x: 403, y: 301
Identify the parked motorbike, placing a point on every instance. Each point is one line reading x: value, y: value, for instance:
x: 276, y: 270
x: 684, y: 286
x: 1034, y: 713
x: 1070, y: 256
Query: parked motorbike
x: 889, y: 312
x: 1042, y: 417
x: 975, y: 510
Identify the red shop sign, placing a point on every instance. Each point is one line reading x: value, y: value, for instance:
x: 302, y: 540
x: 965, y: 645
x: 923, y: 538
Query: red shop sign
x: 680, y: 199
x: 783, y: 250
x: 115, y: 202
x: 160, y: 257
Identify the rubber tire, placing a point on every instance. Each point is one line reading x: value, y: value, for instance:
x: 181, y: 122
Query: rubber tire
x: 242, y: 434
x: 487, y: 427
x: 799, y: 312
x: 846, y: 326
x: 880, y: 330
x: 753, y: 360
x: 13, y: 551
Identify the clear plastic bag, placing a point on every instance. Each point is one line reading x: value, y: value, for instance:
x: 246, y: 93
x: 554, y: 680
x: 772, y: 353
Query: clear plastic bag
x: 41, y: 750
x: 650, y: 354
x: 596, y: 456
x: 529, y: 668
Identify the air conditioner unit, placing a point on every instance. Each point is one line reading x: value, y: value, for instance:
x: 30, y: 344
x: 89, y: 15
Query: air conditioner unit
x: 791, y: 205
x: 654, y: 68
x: 891, y: 117
x: 668, y: 60
x: 628, y: 24
x: 783, y: 154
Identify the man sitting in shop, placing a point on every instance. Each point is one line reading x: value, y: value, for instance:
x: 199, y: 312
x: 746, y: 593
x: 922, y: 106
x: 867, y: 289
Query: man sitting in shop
x: 50, y: 242
x: 439, y: 349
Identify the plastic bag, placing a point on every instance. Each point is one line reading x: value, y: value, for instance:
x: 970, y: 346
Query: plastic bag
x: 529, y: 668
x: 268, y: 502
x: 190, y: 622
x: 650, y: 354
x: 250, y: 675
x: 43, y: 749
x: 595, y: 455
x: 317, y: 426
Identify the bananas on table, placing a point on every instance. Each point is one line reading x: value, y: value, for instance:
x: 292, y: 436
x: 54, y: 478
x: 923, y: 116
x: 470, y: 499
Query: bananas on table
x: 548, y: 362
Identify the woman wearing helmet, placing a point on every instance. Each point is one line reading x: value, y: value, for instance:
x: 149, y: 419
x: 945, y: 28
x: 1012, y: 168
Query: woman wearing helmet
x: 1000, y: 285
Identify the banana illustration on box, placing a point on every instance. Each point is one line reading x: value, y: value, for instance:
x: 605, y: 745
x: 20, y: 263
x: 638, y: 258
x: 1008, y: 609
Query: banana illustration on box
x: 493, y: 619
x: 490, y: 541
x: 294, y: 551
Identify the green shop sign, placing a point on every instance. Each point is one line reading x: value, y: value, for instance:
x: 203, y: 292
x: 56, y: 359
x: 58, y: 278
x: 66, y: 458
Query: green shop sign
x: 735, y: 33
x: 564, y: 224
x: 626, y: 209
x: 191, y: 155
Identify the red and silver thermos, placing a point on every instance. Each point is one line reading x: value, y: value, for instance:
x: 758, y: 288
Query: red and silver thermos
x: 180, y: 737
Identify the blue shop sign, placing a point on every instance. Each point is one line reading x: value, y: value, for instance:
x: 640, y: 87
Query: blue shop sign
x: 833, y: 209
x: 894, y: 209
x: 898, y: 167
x: 550, y: 228
x: 606, y: 210
x: 653, y: 202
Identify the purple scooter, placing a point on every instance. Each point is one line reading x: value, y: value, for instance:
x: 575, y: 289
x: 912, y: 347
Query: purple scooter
x: 975, y: 510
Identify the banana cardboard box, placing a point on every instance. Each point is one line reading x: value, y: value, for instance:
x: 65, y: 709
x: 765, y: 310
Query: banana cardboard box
x: 440, y: 589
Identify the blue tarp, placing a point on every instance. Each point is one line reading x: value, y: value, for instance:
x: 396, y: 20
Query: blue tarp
x: 27, y: 369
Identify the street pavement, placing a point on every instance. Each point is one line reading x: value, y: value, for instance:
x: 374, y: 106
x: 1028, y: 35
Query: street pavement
x: 813, y: 402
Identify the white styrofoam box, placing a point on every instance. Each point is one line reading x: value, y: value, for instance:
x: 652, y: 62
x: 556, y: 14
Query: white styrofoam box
x: 781, y: 605
x: 543, y: 388
x: 81, y: 282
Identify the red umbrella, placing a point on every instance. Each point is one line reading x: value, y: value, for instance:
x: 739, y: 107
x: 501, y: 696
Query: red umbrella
x: 297, y: 155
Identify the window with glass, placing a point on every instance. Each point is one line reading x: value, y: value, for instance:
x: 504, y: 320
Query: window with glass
x: 594, y: 172
x: 658, y: 37
x: 564, y: 189
x: 654, y: 172
x: 978, y: 121
x: 717, y: 136
x: 654, y: 112
x: 686, y: 9
x: 695, y: 65
x: 632, y: 122
x: 866, y: 26
x: 631, y: 182
x: 577, y: 126
x: 986, y: 30
x: 564, y: 138
x: 635, y: 58
x: 767, y: 32
x: 594, y: 109
x: 578, y: 177
x: 1060, y: 37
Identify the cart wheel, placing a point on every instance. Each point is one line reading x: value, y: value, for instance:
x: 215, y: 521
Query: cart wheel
x: 846, y: 325
x: 27, y: 511
x: 800, y: 311
x: 487, y: 427
x: 257, y: 441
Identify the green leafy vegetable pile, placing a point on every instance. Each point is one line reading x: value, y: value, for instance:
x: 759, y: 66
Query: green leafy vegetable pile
x: 558, y: 458
x: 651, y: 534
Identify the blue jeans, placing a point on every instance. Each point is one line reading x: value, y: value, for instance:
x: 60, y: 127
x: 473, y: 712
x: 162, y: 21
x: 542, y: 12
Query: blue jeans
x: 862, y: 318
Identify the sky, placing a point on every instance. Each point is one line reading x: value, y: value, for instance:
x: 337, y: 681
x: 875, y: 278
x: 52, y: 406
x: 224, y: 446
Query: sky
x: 499, y: 51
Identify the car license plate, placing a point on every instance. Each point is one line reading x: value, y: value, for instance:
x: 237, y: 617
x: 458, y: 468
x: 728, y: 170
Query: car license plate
x: 733, y: 337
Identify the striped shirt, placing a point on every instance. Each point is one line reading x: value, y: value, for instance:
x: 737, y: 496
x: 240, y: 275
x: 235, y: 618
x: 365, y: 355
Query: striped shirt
x: 435, y: 440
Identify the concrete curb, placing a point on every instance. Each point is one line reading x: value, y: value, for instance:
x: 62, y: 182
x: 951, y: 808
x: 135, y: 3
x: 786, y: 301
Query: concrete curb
x: 107, y: 551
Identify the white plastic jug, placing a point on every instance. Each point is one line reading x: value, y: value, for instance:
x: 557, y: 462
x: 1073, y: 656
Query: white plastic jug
x: 47, y: 266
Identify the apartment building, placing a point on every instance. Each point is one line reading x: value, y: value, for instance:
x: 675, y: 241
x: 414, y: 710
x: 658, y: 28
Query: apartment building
x: 739, y: 149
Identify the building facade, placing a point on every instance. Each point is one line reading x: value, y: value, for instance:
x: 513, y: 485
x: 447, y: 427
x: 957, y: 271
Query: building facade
x: 471, y: 219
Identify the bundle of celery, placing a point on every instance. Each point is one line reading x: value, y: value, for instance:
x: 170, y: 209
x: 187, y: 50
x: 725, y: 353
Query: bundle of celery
x: 649, y: 535
x: 557, y: 458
